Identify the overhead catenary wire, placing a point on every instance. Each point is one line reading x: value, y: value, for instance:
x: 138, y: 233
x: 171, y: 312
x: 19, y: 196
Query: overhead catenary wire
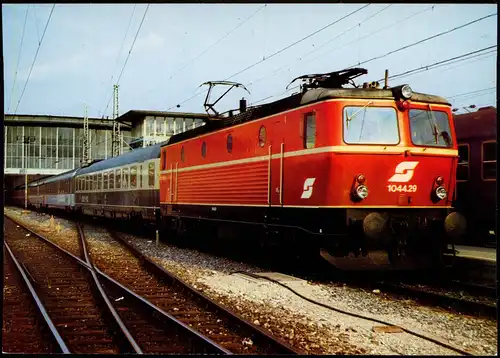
x: 34, y: 60
x: 472, y: 92
x: 444, y: 62
x: 18, y: 58
x: 300, y: 59
x: 423, y: 40
x: 277, y: 52
x: 121, y: 48
x: 191, y: 61
x: 128, y: 56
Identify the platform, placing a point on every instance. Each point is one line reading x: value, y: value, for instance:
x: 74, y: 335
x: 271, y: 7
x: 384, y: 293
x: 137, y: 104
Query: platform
x: 476, y: 253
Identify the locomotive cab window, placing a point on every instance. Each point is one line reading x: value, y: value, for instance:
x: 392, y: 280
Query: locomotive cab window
x: 151, y: 174
x: 204, y: 149
x: 489, y: 160
x: 133, y: 177
x: 463, y: 162
x: 182, y: 154
x: 370, y: 125
x: 430, y: 128
x: 229, y: 144
x: 309, y: 130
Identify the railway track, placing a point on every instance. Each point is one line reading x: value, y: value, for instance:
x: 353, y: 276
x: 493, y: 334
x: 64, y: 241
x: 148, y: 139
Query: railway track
x: 26, y: 327
x: 182, y: 301
x: 165, y: 309
x: 98, y: 316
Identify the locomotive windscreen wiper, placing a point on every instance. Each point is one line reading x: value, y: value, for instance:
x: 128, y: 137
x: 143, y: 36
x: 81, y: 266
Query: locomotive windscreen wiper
x: 348, y: 119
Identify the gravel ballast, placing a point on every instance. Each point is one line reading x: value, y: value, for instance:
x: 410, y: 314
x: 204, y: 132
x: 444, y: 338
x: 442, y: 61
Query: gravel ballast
x: 307, y: 326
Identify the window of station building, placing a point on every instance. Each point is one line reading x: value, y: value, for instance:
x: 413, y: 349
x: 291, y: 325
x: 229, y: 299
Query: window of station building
x: 111, y: 184
x: 105, y: 182
x: 262, y: 136
x: 125, y: 178
x: 229, y: 144
x: 118, y: 178
x: 99, y: 181
x: 94, y: 179
x: 203, y: 149
x: 463, y: 162
x: 489, y: 160
x: 88, y: 182
x: 309, y: 130
x: 182, y: 154
x: 151, y: 174
x: 133, y: 177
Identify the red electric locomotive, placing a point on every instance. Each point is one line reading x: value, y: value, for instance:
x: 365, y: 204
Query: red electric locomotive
x: 354, y: 171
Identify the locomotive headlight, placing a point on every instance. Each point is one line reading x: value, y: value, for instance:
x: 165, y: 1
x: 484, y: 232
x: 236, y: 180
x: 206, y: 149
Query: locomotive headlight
x: 361, y: 191
x: 406, y: 91
x: 441, y: 192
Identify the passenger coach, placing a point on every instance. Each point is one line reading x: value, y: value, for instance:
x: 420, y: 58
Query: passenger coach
x: 122, y: 187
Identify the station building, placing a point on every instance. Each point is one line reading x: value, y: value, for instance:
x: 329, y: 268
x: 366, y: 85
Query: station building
x: 44, y: 145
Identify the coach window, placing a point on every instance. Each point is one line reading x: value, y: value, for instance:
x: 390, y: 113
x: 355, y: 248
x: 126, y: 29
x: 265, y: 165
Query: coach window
x: 99, y: 181
x: 489, y: 160
x: 463, y: 162
x: 140, y: 176
x: 118, y: 178
x: 151, y: 174
x: 111, y: 179
x: 105, y: 180
x: 370, y: 125
x: 125, y: 178
x: 229, y: 144
x: 182, y: 154
x: 309, y: 130
x: 203, y: 149
x: 262, y: 136
x: 133, y: 177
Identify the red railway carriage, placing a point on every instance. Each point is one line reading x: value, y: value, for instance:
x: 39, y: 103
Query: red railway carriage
x: 476, y: 175
x: 352, y: 169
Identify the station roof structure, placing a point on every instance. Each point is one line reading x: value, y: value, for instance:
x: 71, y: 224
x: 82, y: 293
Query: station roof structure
x: 134, y: 116
x: 56, y: 121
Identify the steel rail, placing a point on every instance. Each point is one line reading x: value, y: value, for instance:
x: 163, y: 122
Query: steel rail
x: 38, y: 302
x: 143, y: 300
x: 160, y: 271
x: 105, y: 297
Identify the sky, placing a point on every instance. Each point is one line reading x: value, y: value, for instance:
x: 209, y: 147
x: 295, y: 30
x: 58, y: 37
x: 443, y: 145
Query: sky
x: 84, y: 48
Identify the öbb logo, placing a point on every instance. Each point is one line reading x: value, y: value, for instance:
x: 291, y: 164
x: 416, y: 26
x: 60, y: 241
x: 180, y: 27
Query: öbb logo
x: 404, y: 172
x: 308, y: 188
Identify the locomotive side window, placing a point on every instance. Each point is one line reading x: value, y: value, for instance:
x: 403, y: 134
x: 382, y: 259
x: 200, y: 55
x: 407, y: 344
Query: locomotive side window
x: 370, y: 125
x: 111, y: 179
x: 105, y: 181
x: 489, y: 160
x: 229, y: 144
x: 430, y: 128
x: 463, y: 162
x: 118, y: 176
x: 164, y: 160
x: 125, y: 178
x: 203, y: 149
x: 151, y: 174
x: 262, y: 136
x: 133, y: 177
x: 309, y: 130
x: 99, y: 181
